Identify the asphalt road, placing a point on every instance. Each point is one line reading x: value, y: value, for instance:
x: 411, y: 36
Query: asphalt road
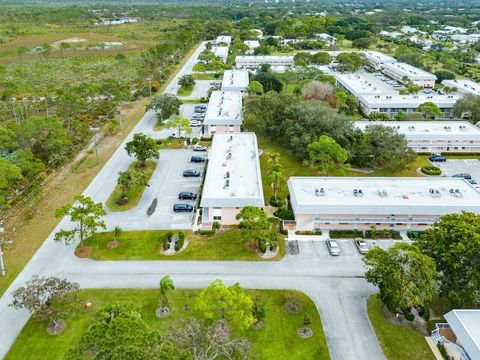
x: 336, y: 285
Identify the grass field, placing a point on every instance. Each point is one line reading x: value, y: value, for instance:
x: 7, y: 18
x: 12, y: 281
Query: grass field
x: 182, y: 91
x: 133, y: 195
x: 145, y: 245
x: 39, y: 221
x: 293, y: 167
x: 274, y: 340
x: 171, y: 144
x: 207, y: 76
x: 398, y: 342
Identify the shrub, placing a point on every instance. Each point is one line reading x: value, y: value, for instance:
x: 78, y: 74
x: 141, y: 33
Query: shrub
x: 349, y: 234
x: 262, y: 245
x: 276, y: 201
x: 180, y: 241
x: 206, y: 232
x: 383, y: 234
x: 413, y: 234
x: 159, y: 141
x: 206, y: 139
x: 194, y: 141
x: 165, y: 241
x: 282, y: 230
x: 284, y: 214
x: 431, y: 170
x: 409, y: 316
x: 314, y: 232
x: 216, y: 225
x: 188, y: 141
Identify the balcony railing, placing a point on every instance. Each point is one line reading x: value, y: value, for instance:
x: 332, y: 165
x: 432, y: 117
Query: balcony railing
x: 439, y: 339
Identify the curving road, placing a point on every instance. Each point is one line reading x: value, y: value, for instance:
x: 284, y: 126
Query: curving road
x: 336, y: 285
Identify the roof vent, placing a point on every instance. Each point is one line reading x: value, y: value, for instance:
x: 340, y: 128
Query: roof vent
x: 227, y: 175
x: 229, y: 155
x: 320, y: 192
x: 434, y: 193
x: 357, y: 192
x: 227, y: 184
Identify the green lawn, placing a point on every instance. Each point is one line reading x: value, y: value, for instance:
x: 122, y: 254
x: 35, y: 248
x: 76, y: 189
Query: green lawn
x: 133, y: 195
x: 171, y: 143
x: 207, y: 76
x: 293, y: 167
x: 276, y: 339
x: 398, y: 342
x: 145, y: 245
x: 182, y: 91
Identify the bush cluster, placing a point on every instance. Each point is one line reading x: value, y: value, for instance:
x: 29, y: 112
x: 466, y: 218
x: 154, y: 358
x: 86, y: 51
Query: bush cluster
x: 166, y: 239
x: 431, y: 170
x: 349, y: 234
x: 180, y: 241
x: 276, y: 201
x: 314, y: 232
x: 284, y: 214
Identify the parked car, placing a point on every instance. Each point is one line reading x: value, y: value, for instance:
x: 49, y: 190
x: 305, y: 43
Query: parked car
x: 361, y: 246
x: 333, y: 247
x: 197, y: 159
x: 195, y: 123
x: 182, y: 208
x: 466, y: 176
x: 437, y: 158
x: 198, y: 147
x: 187, y: 195
x: 200, y: 107
x: 191, y: 173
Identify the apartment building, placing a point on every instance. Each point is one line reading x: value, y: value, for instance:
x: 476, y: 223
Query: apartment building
x: 235, y: 80
x: 463, y: 87
x: 386, y: 203
x: 401, y: 71
x: 254, y: 62
x: 233, y: 179
x: 434, y: 136
x: 224, y: 113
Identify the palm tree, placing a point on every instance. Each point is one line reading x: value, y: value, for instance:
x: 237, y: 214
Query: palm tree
x: 166, y: 284
x: 276, y: 178
x: 116, y: 234
x: 272, y: 158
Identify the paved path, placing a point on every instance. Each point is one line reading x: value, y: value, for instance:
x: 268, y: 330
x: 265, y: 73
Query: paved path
x: 336, y: 285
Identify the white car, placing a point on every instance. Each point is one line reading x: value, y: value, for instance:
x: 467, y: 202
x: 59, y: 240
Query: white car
x: 199, y: 147
x: 195, y: 123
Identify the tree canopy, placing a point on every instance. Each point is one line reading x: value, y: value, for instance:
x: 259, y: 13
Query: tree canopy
x: 326, y: 155
x: 143, y: 147
x: 454, y: 245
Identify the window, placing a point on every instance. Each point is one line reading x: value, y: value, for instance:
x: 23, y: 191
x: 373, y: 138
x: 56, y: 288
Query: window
x: 215, y: 218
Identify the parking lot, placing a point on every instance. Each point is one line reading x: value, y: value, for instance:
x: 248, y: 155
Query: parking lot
x: 166, y: 183
x: 187, y: 111
x: 318, y: 249
x: 452, y: 166
x: 200, y: 89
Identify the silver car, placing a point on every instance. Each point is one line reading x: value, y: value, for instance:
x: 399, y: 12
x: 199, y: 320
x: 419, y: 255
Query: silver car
x: 361, y: 246
x: 333, y: 248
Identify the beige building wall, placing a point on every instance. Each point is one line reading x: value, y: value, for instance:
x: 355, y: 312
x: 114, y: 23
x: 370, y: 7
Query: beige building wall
x: 212, y: 129
x: 228, y: 215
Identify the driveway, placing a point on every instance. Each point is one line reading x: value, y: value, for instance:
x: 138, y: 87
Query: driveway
x: 452, y: 166
x: 199, y: 90
x: 165, y: 184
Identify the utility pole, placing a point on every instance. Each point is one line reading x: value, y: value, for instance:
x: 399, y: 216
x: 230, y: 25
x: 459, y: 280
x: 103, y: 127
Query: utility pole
x: 3, y: 242
x: 95, y: 129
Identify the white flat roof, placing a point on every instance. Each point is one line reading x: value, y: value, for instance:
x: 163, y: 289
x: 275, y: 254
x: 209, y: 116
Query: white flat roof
x: 403, y: 196
x: 221, y: 51
x: 408, y: 70
x: 266, y: 59
x: 407, y: 101
x: 243, y: 167
x: 465, y: 325
x: 464, y: 86
x: 224, y: 108
x: 429, y: 130
x: 361, y: 82
x: 252, y: 44
x: 378, y: 57
x: 235, y: 79
x: 224, y: 38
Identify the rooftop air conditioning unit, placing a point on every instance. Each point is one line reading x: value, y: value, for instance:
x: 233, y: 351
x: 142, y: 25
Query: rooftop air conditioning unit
x: 227, y: 184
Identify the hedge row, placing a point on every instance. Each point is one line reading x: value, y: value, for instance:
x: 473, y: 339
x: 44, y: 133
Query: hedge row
x: 314, y: 232
x: 368, y: 234
x: 180, y: 241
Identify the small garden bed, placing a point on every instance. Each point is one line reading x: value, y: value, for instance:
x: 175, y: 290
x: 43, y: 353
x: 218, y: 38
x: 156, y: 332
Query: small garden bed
x: 368, y: 234
x: 115, y: 203
x: 182, y: 91
x: 431, y: 170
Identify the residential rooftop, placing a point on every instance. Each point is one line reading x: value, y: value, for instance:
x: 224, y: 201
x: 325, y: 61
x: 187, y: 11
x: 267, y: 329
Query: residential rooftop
x: 407, y: 101
x: 382, y: 195
x: 463, y: 86
x: 227, y: 39
x: 233, y: 176
x: 378, y: 57
x: 235, y: 79
x: 412, y: 72
x: 428, y: 130
x: 224, y: 108
x: 264, y: 59
x: 361, y: 82
x: 220, y: 51
x: 252, y: 44
x: 465, y: 325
